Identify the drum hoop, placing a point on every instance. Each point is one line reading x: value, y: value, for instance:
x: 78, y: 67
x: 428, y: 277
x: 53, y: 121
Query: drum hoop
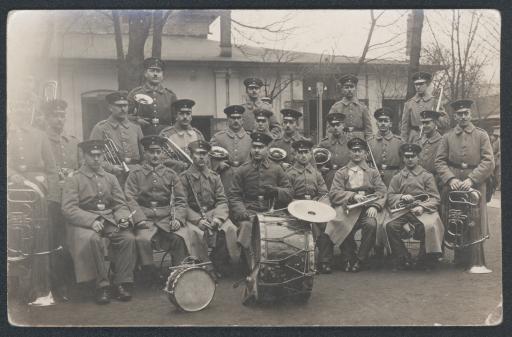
x: 179, y: 274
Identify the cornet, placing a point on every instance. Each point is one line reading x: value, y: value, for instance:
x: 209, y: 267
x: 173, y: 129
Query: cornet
x: 368, y: 199
x: 112, y: 153
x: 402, y: 205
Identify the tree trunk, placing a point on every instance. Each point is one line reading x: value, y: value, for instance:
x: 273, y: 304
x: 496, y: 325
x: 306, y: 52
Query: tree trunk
x: 414, y: 58
x: 121, y: 74
x: 159, y: 20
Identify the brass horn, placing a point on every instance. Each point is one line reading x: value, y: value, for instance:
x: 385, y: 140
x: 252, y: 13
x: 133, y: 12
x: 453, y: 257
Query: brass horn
x: 112, y: 154
x: 50, y: 91
x: 402, y: 205
x: 277, y: 154
x: 322, y: 156
x: 174, y: 152
x: 368, y: 199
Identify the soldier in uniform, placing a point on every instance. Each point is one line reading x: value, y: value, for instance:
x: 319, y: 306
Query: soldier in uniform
x: 464, y: 161
x: 419, y: 220
x: 254, y: 102
x: 152, y: 118
x: 352, y: 184
x: 262, y: 119
x: 430, y: 139
x: 220, y: 164
x: 125, y: 135
x: 208, y: 208
x: 385, y: 146
x: 357, y: 118
x: 31, y: 164
x: 336, y: 143
x: 95, y: 208
x: 258, y: 185
x: 235, y: 139
x: 496, y: 149
x: 291, y: 133
x: 422, y: 100
x: 182, y: 133
x: 65, y: 151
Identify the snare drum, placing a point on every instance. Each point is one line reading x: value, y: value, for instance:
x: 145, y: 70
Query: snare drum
x: 284, y: 259
x: 190, y: 288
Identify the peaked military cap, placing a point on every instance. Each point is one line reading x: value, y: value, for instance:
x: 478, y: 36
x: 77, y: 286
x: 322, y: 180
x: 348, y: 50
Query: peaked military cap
x: 183, y: 104
x: 335, y: 117
x: 409, y: 149
x: 382, y: 112
x: 421, y: 76
x: 302, y: 144
x: 258, y: 113
x: 117, y: 97
x: 349, y: 78
x: 152, y: 141
x: 267, y: 100
x: 461, y: 105
x: 260, y: 137
x: 153, y: 62
x: 356, y: 143
x: 199, y: 145
x: 234, y: 110
x: 427, y: 115
x: 253, y: 82
x: 276, y: 154
x: 92, y: 146
x: 291, y: 114
x: 218, y: 152
x: 54, y: 105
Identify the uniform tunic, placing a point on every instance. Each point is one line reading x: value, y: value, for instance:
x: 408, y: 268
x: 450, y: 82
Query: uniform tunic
x: 385, y: 150
x: 285, y: 143
x: 213, y: 203
x: 161, y: 107
x: 307, y: 182
x: 238, y: 144
x: 181, y: 138
x: 125, y: 134
x: 83, y: 195
x: 411, y: 119
x: 340, y: 154
x: 469, y: 147
x: 428, y: 151
x: 148, y: 192
x: 249, y: 120
x: 356, y: 117
x: 415, y: 182
x: 65, y: 151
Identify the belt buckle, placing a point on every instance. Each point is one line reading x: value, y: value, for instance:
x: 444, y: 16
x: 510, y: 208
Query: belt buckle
x: 334, y: 167
x: 153, y: 204
x: 307, y: 197
x: 350, y: 128
x: 363, y: 193
x: 127, y: 160
x: 384, y: 166
x: 464, y: 165
x: 100, y: 206
x: 155, y: 120
x: 261, y: 198
x: 236, y: 163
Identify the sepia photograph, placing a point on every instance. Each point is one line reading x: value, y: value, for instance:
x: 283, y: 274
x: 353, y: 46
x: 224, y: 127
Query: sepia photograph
x: 208, y: 167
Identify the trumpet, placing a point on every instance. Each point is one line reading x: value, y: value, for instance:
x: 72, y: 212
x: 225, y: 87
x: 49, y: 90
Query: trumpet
x: 403, y: 205
x: 112, y: 153
x: 368, y: 199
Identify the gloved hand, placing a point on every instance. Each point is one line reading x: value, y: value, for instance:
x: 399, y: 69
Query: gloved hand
x: 270, y: 192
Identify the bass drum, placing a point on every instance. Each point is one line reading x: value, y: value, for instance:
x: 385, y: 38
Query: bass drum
x: 190, y: 288
x: 283, y: 260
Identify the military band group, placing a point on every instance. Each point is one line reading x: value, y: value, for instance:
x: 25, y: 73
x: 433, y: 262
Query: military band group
x: 122, y: 195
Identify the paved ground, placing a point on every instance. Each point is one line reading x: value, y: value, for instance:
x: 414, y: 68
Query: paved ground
x: 446, y: 296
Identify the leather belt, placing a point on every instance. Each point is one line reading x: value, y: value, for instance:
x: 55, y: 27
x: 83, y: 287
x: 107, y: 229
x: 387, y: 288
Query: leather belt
x: 461, y: 166
x: 304, y: 197
x: 388, y: 167
x: 154, y: 203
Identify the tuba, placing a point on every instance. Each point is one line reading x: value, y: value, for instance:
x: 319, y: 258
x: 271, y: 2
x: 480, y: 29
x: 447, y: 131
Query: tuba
x: 146, y: 100
x: 322, y: 156
x: 463, y: 209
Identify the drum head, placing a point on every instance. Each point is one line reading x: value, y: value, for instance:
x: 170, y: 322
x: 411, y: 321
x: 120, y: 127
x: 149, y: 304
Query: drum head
x: 194, y: 289
x: 311, y: 211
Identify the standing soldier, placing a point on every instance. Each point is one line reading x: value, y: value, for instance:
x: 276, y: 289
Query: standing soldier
x: 120, y: 131
x: 157, y: 196
x: 235, y: 139
x: 422, y: 100
x: 352, y: 185
x: 208, y: 208
x: 464, y: 161
x: 31, y: 164
x: 254, y: 102
x: 357, y: 118
x: 220, y: 164
x: 418, y: 219
x: 262, y: 119
x: 152, y: 117
x: 385, y: 146
x: 258, y: 185
x: 430, y: 140
x: 291, y: 133
x: 65, y: 151
x: 95, y: 208
x: 336, y: 143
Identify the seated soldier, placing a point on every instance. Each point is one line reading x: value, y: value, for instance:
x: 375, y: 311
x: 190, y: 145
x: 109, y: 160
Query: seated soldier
x: 156, y: 193
x: 353, y: 184
x: 419, y: 220
x: 208, y: 207
x: 95, y: 208
x: 259, y: 184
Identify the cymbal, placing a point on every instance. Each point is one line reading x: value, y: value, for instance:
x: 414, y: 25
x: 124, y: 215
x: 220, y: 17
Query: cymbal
x: 311, y: 211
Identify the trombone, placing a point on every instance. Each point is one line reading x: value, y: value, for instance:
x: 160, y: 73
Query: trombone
x: 403, y: 205
x: 112, y: 153
x: 367, y: 199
